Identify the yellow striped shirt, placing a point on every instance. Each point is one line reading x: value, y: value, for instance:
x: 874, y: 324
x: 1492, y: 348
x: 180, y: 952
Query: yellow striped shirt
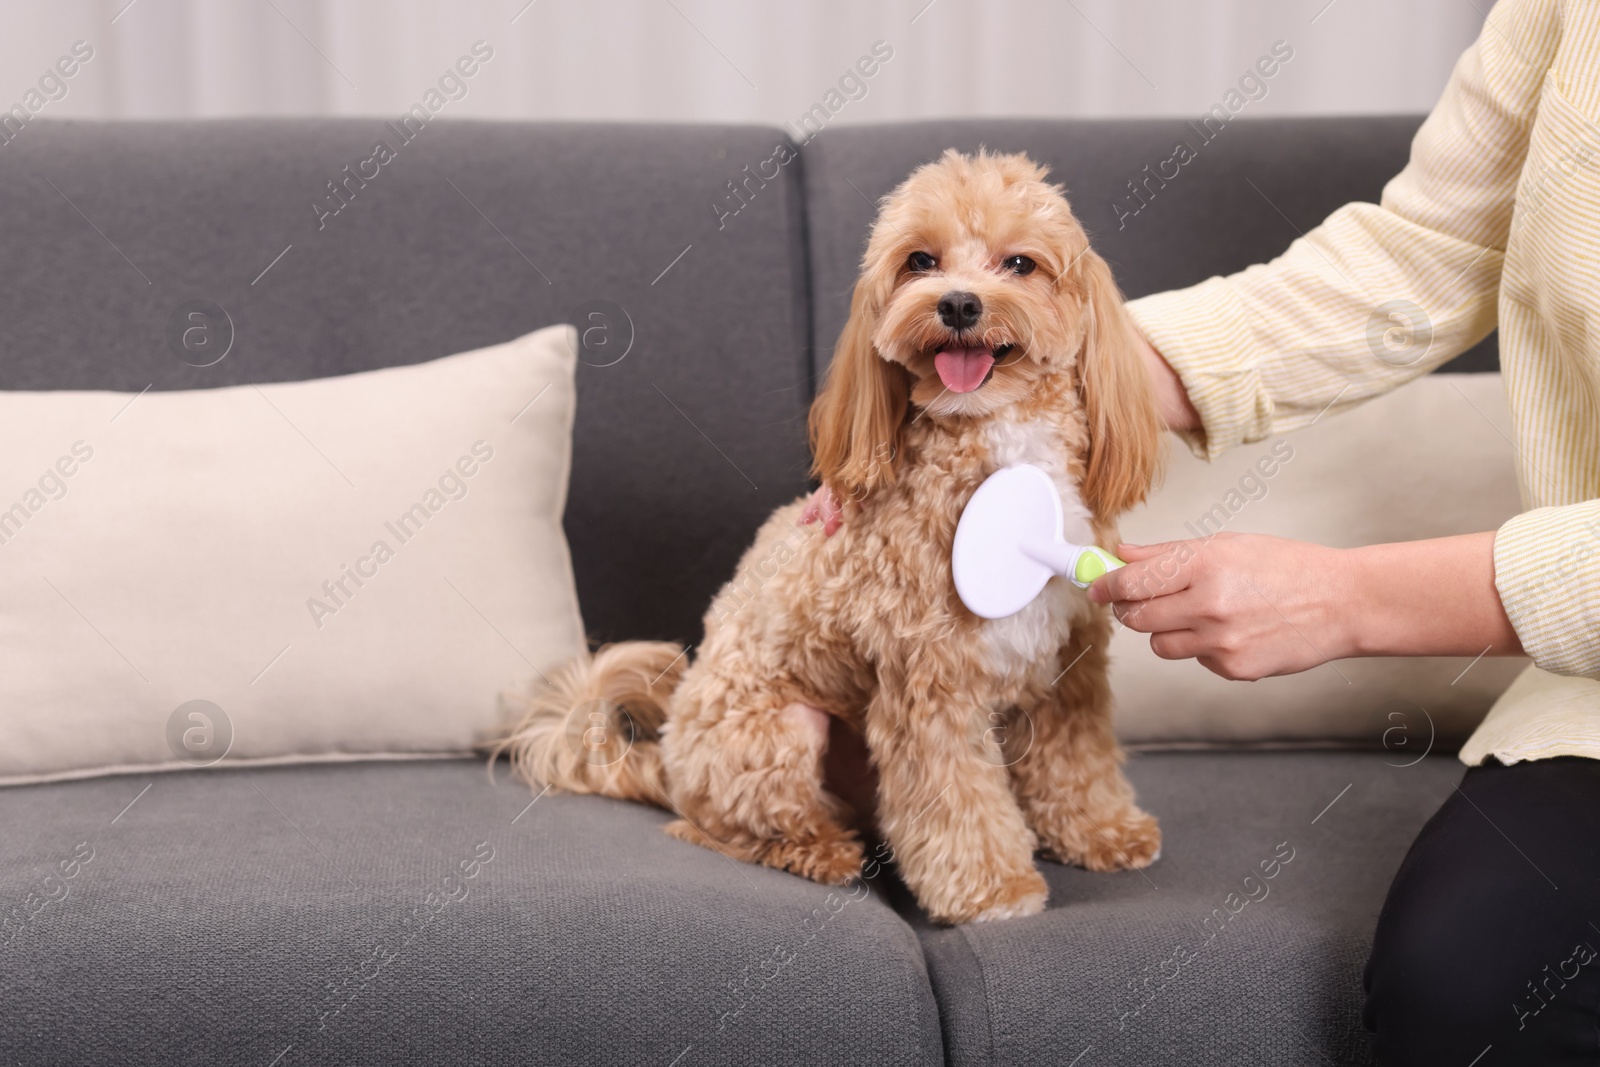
x: 1494, y: 221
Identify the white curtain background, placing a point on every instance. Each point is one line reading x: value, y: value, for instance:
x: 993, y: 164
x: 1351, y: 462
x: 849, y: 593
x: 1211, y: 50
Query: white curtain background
x: 758, y: 61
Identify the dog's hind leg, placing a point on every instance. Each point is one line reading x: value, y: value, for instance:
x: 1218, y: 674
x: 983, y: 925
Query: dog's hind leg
x: 1066, y: 767
x: 746, y: 776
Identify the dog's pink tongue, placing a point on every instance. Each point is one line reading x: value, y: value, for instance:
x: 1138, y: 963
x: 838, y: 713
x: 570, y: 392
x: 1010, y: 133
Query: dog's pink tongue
x: 962, y: 369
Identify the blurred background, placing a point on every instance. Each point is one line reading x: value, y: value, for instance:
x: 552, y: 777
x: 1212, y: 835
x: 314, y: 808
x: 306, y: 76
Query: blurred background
x: 735, y: 60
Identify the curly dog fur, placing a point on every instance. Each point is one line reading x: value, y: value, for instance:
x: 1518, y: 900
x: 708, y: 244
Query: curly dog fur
x: 991, y: 739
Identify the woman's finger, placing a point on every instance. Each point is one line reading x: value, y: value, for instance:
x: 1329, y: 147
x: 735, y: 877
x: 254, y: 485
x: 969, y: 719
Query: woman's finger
x: 823, y: 505
x: 832, y: 513
x: 1178, y: 644
x: 1133, y: 553
x: 1130, y: 551
x: 1143, y: 579
x: 1158, y: 614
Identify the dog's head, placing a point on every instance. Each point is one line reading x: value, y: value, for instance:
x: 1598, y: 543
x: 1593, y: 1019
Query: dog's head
x: 977, y: 282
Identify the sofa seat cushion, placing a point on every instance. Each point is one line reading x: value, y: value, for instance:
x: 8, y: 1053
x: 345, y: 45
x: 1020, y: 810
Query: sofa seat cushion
x: 413, y: 913
x: 1244, y: 943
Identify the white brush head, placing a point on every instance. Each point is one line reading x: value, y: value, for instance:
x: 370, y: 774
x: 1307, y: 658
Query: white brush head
x: 1009, y: 542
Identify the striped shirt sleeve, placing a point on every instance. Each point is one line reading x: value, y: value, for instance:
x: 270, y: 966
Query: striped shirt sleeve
x: 1545, y: 572
x: 1378, y: 294
x: 1382, y: 293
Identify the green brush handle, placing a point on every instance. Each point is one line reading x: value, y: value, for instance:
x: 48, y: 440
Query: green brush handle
x: 1091, y: 562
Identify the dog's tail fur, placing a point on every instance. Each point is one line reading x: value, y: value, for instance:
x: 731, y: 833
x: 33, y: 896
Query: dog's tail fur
x: 595, y: 727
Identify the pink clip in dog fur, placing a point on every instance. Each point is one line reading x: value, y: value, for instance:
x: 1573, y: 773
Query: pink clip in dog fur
x: 983, y: 333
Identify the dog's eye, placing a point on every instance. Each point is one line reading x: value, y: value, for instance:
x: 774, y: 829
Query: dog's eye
x: 921, y: 262
x: 1018, y: 264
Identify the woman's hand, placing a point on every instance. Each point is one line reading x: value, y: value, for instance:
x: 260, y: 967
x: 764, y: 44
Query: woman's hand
x: 825, y: 506
x: 1249, y: 606
x: 1244, y: 605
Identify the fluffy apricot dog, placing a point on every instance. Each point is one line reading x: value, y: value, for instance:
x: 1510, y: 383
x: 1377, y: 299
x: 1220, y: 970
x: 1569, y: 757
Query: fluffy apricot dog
x: 983, y: 332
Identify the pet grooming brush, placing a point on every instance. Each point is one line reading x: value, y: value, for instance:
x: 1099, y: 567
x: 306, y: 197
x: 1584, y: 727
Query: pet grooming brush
x: 1009, y: 543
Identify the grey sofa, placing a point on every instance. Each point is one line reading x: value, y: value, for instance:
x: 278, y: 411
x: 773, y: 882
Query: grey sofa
x: 271, y: 917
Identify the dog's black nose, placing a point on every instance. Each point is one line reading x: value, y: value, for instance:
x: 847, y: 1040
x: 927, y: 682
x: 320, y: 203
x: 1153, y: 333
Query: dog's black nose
x: 960, y: 310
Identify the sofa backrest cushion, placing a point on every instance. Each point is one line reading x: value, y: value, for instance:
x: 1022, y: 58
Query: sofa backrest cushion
x: 467, y: 234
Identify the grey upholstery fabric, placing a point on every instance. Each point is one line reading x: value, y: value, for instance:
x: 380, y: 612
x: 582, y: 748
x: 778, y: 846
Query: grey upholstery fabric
x: 227, y: 917
x: 1243, y: 198
x: 699, y: 420
x: 1149, y: 967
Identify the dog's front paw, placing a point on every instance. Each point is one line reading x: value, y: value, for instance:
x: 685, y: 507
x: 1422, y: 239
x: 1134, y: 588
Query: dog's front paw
x: 1123, y: 839
x: 1028, y: 904
x: 1129, y: 842
x: 1011, y: 898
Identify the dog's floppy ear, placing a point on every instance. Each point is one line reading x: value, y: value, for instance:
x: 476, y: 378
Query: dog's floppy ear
x: 856, y: 420
x: 1124, y: 427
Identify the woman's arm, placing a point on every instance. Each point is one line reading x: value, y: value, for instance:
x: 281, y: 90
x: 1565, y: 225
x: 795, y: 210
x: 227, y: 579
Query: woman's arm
x: 1249, y: 606
x: 1375, y: 296
x: 1378, y: 294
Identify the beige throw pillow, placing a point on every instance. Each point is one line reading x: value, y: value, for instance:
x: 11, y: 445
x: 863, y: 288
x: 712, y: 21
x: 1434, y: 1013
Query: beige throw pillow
x: 336, y: 569
x: 1431, y: 459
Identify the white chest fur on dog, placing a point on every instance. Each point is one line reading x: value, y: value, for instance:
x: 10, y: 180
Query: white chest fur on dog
x: 1025, y: 643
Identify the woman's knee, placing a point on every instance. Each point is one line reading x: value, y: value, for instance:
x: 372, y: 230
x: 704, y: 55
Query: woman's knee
x: 1423, y: 979
x: 1474, y: 947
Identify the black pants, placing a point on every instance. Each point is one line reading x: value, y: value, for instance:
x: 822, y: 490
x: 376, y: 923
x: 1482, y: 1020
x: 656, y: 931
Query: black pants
x: 1487, y: 951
